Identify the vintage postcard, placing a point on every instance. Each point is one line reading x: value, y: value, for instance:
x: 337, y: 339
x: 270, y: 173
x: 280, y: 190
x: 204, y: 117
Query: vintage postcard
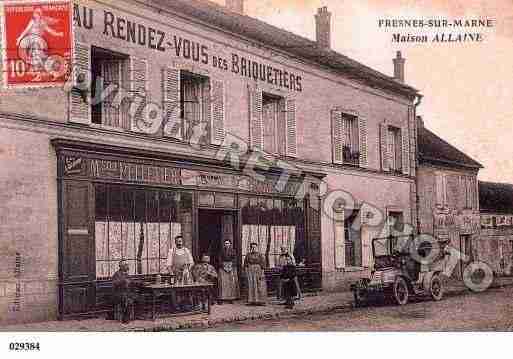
x: 244, y: 165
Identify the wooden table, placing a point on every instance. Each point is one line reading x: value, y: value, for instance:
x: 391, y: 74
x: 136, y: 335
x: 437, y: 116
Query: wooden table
x: 196, y: 291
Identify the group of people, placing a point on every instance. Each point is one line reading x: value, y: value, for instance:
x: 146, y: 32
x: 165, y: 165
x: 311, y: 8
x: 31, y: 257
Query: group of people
x: 225, y: 279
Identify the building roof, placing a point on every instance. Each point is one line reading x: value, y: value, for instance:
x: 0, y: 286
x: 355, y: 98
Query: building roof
x: 495, y: 197
x: 278, y: 38
x: 434, y: 150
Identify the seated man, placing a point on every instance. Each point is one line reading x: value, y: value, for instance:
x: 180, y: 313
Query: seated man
x: 123, y: 296
x: 204, y: 272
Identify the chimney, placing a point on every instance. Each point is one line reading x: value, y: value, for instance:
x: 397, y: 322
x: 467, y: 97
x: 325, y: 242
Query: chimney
x: 399, y: 67
x: 420, y: 122
x: 323, y: 28
x: 235, y: 6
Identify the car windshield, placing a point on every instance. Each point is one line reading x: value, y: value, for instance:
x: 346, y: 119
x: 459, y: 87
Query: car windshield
x: 388, y: 246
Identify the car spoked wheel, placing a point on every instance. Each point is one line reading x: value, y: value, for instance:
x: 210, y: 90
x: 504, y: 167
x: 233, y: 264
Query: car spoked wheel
x: 400, y: 291
x: 436, y: 289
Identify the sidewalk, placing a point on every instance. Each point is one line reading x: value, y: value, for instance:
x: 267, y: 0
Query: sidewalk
x: 322, y: 303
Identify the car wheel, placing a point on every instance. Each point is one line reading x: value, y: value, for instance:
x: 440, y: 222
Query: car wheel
x: 400, y: 291
x: 436, y: 289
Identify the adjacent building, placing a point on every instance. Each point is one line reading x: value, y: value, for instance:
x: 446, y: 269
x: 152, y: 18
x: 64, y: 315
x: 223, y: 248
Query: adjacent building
x: 496, y: 207
x: 201, y: 112
x: 448, y: 198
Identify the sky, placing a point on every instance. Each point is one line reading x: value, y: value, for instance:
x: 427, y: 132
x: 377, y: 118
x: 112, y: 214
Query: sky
x: 467, y: 87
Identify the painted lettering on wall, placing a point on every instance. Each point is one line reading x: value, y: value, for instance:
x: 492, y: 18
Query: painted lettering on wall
x: 122, y: 29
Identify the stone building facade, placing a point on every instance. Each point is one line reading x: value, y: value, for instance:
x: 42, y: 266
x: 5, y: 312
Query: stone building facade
x: 448, y: 196
x: 496, y: 208
x: 89, y: 184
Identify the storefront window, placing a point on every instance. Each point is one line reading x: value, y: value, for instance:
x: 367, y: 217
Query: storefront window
x: 272, y: 224
x: 138, y: 226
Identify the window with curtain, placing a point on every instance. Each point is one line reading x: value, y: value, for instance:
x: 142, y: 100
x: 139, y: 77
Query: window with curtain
x: 272, y: 126
x: 138, y: 226
x: 194, y: 101
x: 272, y: 224
x: 395, y: 149
x: 109, y: 75
x: 351, y: 151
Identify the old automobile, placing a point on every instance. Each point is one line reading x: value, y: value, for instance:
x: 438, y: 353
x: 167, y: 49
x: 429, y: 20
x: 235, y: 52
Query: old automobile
x: 402, y: 268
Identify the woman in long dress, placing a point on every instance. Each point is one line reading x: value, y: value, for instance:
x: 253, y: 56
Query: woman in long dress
x: 227, y: 277
x: 254, y: 265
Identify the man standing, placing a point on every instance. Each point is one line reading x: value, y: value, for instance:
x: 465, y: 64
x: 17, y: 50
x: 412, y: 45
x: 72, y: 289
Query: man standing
x: 179, y: 261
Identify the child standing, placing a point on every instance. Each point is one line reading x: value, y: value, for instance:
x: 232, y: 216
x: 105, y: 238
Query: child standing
x: 288, y: 278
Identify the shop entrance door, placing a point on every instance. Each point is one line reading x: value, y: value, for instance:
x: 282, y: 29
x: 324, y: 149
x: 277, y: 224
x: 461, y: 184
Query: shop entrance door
x: 215, y: 227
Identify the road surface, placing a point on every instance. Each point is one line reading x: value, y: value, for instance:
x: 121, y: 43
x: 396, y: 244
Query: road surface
x: 488, y: 311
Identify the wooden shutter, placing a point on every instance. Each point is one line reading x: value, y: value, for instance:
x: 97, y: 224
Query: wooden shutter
x: 218, y: 112
x: 255, y: 118
x: 173, y: 126
x: 80, y: 105
x: 362, y: 136
x: 405, y: 150
x: 138, y: 87
x: 337, y: 136
x: 291, y: 125
x: 282, y: 127
x: 383, y: 145
x: 77, y: 256
x: 339, y: 239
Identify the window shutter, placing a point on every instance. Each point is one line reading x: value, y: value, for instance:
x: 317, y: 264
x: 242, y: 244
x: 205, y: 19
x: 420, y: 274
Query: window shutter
x: 173, y: 127
x: 218, y: 112
x: 282, y: 127
x: 337, y: 136
x: 80, y: 107
x: 339, y: 239
x: 405, y: 148
x: 138, y: 88
x: 291, y: 135
x: 362, y: 135
x: 255, y: 118
x: 365, y: 242
x: 383, y: 144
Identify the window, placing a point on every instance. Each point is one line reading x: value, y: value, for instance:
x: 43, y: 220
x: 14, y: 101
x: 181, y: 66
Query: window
x: 351, y: 151
x: 395, y: 149
x: 470, y: 192
x: 353, y: 245
x: 395, y: 223
x: 139, y: 226
x: 348, y: 243
x: 272, y: 224
x: 110, y: 75
x: 349, y: 138
x: 194, y: 102
x: 271, y: 106
x: 440, y: 189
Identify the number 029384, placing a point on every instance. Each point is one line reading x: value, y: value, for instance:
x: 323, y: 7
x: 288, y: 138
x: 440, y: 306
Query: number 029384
x: 34, y: 346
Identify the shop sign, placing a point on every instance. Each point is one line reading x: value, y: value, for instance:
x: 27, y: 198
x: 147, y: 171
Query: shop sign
x: 37, y: 38
x: 119, y: 170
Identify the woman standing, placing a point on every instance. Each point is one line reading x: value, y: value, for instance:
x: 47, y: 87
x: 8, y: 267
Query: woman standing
x: 254, y: 265
x: 227, y: 278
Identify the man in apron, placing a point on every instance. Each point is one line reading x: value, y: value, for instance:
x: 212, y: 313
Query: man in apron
x: 179, y: 263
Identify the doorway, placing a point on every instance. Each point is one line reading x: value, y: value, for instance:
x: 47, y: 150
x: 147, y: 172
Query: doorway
x: 215, y: 227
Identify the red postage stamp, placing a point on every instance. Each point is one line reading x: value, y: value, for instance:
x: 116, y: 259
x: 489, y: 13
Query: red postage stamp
x: 37, y: 38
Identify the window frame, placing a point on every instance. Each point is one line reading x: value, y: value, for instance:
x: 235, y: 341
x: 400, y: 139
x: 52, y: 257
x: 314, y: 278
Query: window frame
x: 99, y: 56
